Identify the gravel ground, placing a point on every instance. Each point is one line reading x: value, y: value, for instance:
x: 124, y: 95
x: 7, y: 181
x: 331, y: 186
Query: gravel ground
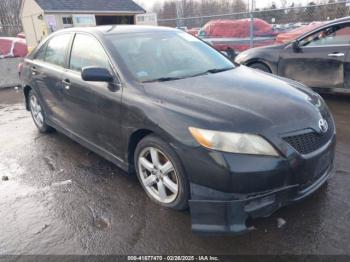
x: 60, y: 198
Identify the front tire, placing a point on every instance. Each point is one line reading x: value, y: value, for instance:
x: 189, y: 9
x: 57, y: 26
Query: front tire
x: 160, y: 173
x: 38, y: 114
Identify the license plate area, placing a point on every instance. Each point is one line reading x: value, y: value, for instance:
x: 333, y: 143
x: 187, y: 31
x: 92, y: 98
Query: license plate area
x: 323, y: 164
x: 312, y: 169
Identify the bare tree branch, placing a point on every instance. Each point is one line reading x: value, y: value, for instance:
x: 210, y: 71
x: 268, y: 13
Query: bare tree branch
x: 10, y: 21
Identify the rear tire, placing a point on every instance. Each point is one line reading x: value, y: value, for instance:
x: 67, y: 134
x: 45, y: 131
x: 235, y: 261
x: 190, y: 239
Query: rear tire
x: 261, y: 67
x: 161, y: 174
x: 38, y: 114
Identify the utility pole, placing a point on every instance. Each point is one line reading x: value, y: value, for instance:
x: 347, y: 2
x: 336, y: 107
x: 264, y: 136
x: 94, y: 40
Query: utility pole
x: 179, y: 13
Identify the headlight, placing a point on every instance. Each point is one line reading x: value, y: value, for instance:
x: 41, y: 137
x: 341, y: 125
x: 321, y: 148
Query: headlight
x: 240, y: 57
x: 233, y: 142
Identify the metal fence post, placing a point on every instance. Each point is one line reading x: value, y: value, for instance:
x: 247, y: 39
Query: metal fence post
x: 288, y: 17
x: 251, y: 40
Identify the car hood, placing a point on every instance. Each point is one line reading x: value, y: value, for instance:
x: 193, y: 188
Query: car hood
x: 240, y: 100
x: 269, y: 53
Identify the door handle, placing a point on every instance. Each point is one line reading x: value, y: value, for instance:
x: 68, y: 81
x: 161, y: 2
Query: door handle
x: 336, y: 54
x: 66, y: 84
x: 34, y: 70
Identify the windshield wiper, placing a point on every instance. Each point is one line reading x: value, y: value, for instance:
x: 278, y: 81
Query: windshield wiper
x: 214, y: 71
x: 210, y: 71
x: 162, y: 79
x: 218, y: 70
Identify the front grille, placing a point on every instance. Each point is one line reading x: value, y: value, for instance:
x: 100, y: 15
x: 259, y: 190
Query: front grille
x: 311, y: 141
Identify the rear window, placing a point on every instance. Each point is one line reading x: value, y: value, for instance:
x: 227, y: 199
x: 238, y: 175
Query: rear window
x: 55, y: 52
x: 40, y: 54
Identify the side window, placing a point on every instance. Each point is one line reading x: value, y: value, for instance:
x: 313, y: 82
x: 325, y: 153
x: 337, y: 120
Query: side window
x: 56, y: 49
x: 335, y: 35
x: 87, y: 51
x: 40, y: 55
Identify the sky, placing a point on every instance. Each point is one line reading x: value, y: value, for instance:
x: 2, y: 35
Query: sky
x: 147, y: 4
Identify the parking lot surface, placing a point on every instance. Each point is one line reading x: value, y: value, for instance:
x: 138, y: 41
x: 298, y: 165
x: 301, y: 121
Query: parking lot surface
x: 60, y: 198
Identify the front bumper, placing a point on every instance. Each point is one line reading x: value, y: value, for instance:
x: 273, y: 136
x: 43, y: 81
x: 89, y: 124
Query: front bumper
x: 230, y: 216
x: 227, y: 189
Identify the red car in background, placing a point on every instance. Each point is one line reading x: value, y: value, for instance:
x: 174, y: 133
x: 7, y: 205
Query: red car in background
x: 228, y: 35
x: 13, y: 47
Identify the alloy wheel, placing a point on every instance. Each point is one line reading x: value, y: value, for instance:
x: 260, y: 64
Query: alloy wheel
x: 36, y: 110
x: 158, y: 175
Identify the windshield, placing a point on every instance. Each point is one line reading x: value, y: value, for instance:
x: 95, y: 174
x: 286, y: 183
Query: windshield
x: 167, y: 56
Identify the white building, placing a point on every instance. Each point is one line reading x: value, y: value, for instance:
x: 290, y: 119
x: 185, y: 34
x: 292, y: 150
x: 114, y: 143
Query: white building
x: 41, y: 17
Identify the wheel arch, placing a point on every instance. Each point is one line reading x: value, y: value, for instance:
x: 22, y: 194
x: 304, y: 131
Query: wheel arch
x: 260, y: 61
x: 134, y: 140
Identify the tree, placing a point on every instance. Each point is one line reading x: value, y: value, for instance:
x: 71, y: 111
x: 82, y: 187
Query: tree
x: 198, y: 12
x: 9, y: 17
x: 284, y: 3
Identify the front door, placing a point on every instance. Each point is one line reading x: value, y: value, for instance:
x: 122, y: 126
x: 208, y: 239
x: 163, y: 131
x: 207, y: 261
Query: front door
x: 320, y: 59
x: 93, y: 107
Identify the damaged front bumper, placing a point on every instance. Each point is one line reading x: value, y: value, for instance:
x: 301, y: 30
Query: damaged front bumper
x: 227, y: 216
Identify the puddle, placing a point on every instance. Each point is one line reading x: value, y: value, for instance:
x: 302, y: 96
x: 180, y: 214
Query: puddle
x: 100, y: 223
x: 27, y: 213
x: 10, y: 168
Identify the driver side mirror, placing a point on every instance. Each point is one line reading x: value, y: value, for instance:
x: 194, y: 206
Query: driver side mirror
x: 296, y: 46
x: 96, y: 74
x: 230, y: 54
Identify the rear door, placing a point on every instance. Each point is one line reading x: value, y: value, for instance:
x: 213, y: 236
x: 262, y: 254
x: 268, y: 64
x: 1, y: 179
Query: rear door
x: 93, y: 107
x: 47, y: 68
x: 320, y: 60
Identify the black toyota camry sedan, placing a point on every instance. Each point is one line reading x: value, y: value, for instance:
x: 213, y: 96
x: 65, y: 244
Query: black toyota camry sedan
x: 227, y: 141
x: 319, y: 59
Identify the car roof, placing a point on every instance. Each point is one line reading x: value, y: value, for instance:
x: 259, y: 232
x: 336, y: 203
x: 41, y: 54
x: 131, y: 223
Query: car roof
x: 335, y: 21
x: 120, y: 29
x: 340, y: 20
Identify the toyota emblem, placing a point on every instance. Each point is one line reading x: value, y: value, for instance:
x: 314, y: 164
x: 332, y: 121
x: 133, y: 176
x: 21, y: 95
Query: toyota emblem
x: 323, y: 125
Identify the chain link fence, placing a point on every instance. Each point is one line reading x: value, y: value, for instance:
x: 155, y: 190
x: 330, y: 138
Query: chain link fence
x: 285, y: 18
x: 10, y: 30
